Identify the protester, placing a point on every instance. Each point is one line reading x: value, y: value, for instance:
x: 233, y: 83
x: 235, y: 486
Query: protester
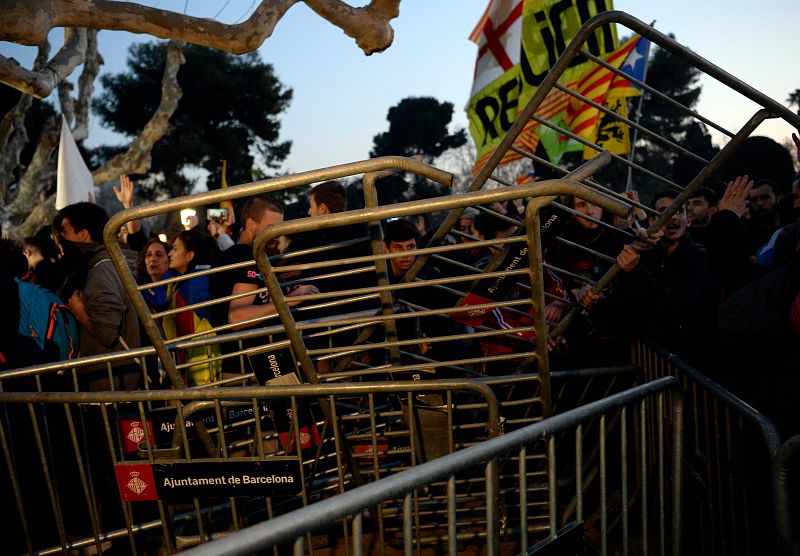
x: 132, y: 235
x: 700, y: 208
x: 764, y: 221
x: 664, y: 291
x: 723, y: 239
x: 192, y: 251
x: 329, y: 244
x: 42, y: 255
x: 107, y: 317
x: 255, y: 303
x: 152, y: 265
x: 36, y: 327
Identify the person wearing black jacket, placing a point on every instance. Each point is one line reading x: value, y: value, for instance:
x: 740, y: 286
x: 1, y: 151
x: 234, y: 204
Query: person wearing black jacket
x: 671, y: 281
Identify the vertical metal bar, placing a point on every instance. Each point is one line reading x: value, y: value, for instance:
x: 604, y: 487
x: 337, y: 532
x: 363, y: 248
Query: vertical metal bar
x: 717, y: 485
x: 624, y: 471
x: 677, y: 471
x: 358, y: 535
x: 85, y: 469
x: 376, y: 468
x: 731, y: 479
x: 552, y: 481
x: 643, y: 463
x: 339, y: 445
x: 603, y: 487
x: 661, y: 479
x: 299, y: 550
x: 492, y: 510
x: 126, y: 510
x: 579, y: 471
x: 408, y: 541
x: 4, y: 441
x: 536, y: 277
x: 452, y: 517
x: 523, y: 500
x: 706, y: 451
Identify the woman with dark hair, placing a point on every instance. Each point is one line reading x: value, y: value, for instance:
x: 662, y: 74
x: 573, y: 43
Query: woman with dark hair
x: 192, y: 251
x: 152, y: 265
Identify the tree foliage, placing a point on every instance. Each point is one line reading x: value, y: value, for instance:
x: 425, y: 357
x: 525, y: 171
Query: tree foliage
x: 794, y: 100
x: 761, y: 158
x: 417, y: 127
x: 229, y: 110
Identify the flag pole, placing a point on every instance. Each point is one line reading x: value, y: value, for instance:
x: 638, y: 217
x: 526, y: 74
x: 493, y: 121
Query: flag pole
x: 636, y: 116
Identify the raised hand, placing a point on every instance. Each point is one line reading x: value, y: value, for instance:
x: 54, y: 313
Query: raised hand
x: 738, y: 193
x: 124, y: 192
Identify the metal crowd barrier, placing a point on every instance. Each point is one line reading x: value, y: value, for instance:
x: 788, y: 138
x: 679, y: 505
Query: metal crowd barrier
x: 736, y: 497
x: 91, y: 470
x: 618, y: 512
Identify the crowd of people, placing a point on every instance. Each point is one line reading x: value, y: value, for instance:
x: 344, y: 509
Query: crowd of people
x: 717, y: 285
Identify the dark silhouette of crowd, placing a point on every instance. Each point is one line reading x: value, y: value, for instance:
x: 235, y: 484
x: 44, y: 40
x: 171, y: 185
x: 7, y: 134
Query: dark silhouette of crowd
x: 717, y: 285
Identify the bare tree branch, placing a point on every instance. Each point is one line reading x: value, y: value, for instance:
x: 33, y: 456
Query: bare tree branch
x: 91, y: 68
x: 369, y: 25
x: 41, y: 83
x: 43, y: 213
x: 29, y: 21
x: 76, y: 110
x: 65, y: 101
x: 136, y: 160
x: 42, y: 15
x: 28, y: 192
x: 13, y: 135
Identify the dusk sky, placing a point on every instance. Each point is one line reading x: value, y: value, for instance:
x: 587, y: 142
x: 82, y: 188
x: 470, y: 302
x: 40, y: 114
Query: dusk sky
x: 341, y: 97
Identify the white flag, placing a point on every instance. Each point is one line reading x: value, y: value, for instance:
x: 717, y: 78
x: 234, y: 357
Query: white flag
x: 74, y: 181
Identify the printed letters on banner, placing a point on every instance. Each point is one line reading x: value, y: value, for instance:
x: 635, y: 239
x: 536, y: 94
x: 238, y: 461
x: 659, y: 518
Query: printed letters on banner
x: 508, y: 72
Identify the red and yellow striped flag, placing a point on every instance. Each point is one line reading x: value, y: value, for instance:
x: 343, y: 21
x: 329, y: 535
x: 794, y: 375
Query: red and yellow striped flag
x: 582, y: 118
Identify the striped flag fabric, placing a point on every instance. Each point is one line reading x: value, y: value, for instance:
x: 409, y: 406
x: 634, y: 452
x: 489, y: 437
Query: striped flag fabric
x: 599, y: 84
x: 582, y: 118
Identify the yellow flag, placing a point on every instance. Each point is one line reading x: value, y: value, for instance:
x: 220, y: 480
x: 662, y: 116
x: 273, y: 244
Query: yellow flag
x: 226, y: 204
x: 518, y: 42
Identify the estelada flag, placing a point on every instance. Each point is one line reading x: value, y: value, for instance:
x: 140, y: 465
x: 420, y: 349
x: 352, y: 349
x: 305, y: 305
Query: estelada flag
x: 582, y: 118
x: 603, y: 87
x: 612, y: 134
x: 74, y: 181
